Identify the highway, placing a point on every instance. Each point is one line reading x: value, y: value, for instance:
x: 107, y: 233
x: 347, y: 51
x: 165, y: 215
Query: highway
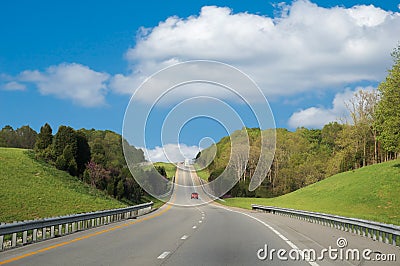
x: 194, y: 234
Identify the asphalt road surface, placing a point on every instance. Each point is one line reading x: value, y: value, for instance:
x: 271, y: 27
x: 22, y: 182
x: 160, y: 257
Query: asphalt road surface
x: 188, y: 232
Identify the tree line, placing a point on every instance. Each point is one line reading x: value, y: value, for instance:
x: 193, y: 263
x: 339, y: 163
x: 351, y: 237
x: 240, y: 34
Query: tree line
x: 23, y: 137
x: 370, y: 135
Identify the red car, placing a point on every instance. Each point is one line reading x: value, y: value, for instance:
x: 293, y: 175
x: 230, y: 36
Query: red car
x: 194, y: 195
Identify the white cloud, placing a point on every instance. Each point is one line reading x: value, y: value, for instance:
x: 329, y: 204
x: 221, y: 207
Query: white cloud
x: 317, y: 117
x: 73, y: 81
x: 171, y: 153
x: 306, y: 48
x: 14, y: 86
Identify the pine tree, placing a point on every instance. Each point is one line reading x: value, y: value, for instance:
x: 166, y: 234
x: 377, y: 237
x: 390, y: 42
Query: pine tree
x: 44, y: 138
x: 65, y: 136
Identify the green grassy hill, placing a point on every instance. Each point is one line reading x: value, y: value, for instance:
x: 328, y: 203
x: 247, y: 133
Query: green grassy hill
x: 372, y: 193
x: 170, y: 168
x: 30, y: 189
x: 203, y: 173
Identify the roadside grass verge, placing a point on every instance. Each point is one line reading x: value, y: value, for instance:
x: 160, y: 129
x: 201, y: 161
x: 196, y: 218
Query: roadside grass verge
x: 371, y: 193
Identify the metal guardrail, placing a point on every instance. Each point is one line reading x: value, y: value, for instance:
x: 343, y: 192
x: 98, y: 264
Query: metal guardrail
x: 386, y: 233
x: 26, y: 232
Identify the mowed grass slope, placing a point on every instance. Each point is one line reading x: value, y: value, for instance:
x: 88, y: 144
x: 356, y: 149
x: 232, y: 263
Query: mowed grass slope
x: 170, y: 168
x: 371, y: 193
x: 30, y: 190
x: 203, y: 173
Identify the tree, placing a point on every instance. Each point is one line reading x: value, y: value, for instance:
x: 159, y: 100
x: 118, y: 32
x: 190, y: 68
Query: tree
x: 83, y: 154
x: 110, y: 189
x: 388, y: 110
x: 66, y: 161
x: 26, y: 137
x: 362, y: 108
x: 161, y: 170
x: 329, y: 135
x: 120, y: 189
x: 8, y: 136
x: 65, y: 136
x: 96, y: 175
x: 44, y: 138
x: 98, y: 152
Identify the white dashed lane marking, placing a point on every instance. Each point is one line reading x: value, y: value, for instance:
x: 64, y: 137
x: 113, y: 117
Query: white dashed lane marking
x: 163, y: 255
x: 184, y: 237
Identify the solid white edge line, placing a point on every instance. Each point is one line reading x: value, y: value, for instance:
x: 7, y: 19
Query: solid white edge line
x: 163, y: 255
x: 290, y: 243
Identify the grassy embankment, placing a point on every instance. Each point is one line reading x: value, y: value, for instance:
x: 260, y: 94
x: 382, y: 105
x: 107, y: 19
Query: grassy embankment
x: 371, y: 193
x: 31, y: 189
x: 202, y: 173
x: 170, y: 168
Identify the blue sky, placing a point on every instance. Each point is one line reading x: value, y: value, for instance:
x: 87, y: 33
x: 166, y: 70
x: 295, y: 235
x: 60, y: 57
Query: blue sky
x: 78, y: 62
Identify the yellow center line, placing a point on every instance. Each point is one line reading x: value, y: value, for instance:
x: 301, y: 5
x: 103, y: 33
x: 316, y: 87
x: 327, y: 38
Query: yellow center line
x: 94, y: 234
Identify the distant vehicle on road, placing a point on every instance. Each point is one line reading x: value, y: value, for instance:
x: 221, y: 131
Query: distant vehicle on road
x: 194, y: 195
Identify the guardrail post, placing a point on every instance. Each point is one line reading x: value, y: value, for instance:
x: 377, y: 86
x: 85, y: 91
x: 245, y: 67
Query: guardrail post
x: 44, y: 233
x: 1, y: 242
x: 34, y: 235
x: 51, y: 231
x: 24, y: 237
x: 59, y: 230
x: 14, y: 240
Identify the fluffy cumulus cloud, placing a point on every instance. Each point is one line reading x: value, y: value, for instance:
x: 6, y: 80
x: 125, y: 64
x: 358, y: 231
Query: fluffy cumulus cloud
x: 317, y: 117
x: 171, y: 153
x: 83, y: 85
x: 305, y: 48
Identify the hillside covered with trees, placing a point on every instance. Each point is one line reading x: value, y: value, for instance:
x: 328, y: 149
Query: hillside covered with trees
x: 371, y: 135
